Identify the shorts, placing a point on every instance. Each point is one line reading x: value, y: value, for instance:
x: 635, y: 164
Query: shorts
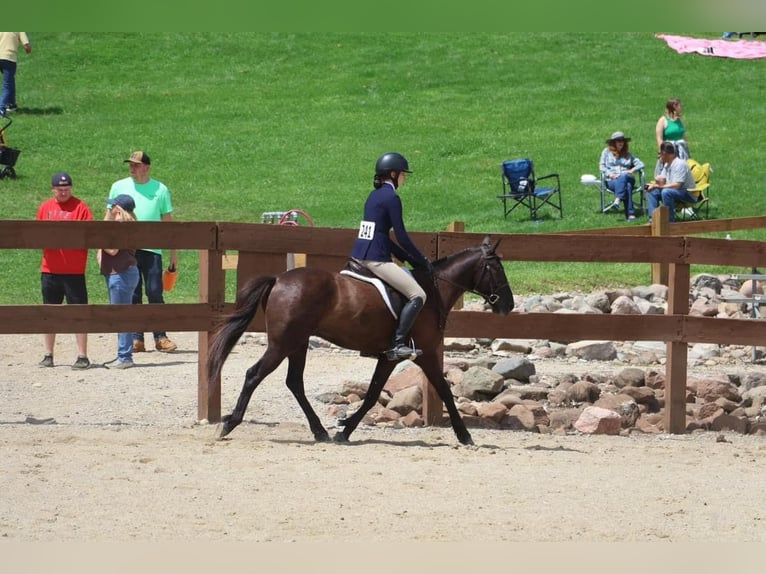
x: 57, y: 287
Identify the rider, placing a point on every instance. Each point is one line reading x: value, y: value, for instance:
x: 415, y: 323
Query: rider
x: 373, y: 247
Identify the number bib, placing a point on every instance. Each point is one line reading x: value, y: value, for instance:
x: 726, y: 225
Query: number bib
x: 366, y: 230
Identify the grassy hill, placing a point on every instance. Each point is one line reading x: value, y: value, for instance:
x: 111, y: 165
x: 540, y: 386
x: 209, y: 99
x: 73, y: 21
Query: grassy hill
x: 242, y: 123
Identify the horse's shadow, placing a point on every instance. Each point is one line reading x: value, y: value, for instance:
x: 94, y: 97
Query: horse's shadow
x: 394, y: 443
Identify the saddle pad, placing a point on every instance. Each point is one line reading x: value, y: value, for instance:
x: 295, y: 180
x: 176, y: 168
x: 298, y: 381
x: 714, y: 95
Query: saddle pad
x: 378, y: 285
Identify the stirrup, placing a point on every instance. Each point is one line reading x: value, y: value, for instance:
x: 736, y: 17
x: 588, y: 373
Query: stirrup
x: 400, y: 352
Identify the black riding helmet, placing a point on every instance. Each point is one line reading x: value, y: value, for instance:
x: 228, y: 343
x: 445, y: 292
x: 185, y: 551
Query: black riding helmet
x: 391, y: 161
x: 388, y: 162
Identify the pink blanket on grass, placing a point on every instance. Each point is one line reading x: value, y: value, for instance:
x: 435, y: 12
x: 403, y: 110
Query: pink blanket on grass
x: 741, y: 49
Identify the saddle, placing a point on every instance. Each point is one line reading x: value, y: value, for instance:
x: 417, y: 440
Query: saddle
x: 393, y: 299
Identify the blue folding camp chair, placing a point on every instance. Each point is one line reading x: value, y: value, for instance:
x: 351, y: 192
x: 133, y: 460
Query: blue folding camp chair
x: 520, y: 187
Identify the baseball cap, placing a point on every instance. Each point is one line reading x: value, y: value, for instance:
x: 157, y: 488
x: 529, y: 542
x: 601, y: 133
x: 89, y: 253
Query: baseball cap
x: 123, y: 200
x: 139, y: 157
x: 60, y: 178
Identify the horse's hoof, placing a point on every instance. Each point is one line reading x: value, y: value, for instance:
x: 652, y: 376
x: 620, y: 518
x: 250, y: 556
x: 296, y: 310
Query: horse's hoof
x: 322, y: 437
x: 223, y: 429
x: 467, y: 441
x: 340, y: 437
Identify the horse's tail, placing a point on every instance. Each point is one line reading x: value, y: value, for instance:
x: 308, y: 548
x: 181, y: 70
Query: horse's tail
x: 252, y: 294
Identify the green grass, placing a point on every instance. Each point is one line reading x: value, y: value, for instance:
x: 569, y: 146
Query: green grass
x: 241, y: 123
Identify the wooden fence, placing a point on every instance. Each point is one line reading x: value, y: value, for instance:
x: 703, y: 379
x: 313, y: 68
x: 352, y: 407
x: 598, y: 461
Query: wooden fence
x: 661, y: 227
x: 262, y: 249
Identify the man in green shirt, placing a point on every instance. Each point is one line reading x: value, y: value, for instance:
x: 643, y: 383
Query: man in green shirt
x: 152, y: 204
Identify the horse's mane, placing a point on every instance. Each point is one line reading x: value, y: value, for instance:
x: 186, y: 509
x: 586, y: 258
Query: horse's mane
x: 454, y: 255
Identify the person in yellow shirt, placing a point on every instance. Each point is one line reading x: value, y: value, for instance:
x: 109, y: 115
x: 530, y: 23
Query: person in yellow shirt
x: 9, y: 47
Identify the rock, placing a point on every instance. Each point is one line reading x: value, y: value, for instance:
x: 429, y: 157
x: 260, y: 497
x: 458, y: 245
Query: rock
x: 407, y: 400
x: 595, y: 420
x: 630, y: 377
x: 519, y: 368
x: 593, y: 350
x: 583, y: 392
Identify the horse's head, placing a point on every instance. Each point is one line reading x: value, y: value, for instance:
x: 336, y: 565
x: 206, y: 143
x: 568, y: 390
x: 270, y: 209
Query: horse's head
x: 478, y: 270
x: 492, y: 283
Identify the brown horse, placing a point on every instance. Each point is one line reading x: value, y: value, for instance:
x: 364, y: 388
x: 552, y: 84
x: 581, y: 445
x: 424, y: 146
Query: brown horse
x: 351, y: 313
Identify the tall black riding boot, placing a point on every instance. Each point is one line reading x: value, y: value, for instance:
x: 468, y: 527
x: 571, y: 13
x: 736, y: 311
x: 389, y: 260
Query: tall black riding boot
x: 399, y: 347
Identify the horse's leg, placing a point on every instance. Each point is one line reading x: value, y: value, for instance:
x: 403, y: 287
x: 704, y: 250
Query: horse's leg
x: 383, y: 370
x: 295, y: 368
x: 254, y: 375
x: 429, y: 362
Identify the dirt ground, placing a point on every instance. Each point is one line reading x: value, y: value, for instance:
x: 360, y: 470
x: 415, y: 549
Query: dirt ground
x: 110, y: 456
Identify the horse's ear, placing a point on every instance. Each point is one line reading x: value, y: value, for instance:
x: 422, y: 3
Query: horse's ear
x: 497, y: 244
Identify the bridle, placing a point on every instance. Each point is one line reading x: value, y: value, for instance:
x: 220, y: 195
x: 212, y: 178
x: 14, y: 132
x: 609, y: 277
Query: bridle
x: 491, y: 298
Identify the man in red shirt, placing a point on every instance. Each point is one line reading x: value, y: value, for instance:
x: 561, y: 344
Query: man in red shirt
x: 63, y: 270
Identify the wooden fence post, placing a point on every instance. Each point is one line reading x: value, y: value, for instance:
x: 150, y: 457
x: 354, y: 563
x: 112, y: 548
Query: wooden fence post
x: 433, y: 406
x: 660, y: 226
x: 676, y: 352
x: 212, y: 290
x: 459, y: 227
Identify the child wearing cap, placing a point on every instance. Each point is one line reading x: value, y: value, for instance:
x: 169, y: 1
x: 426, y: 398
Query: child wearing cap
x: 62, y: 271
x: 120, y: 269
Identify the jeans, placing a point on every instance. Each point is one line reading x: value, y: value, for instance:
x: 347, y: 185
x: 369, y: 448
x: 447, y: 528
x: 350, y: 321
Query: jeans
x: 150, y: 277
x: 622, y: 186
x: 668, y: 197
x: 121, y: 287
x: 8, y: 94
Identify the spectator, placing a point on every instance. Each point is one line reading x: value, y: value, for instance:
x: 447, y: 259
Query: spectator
x: 152, y: 200
x: 670, y: 127
x: 63, y: 270
x: 120, y: 269
x: 9, y: 47
x: 672, y: 179
x: 373, y: 248
x: 617, y: 166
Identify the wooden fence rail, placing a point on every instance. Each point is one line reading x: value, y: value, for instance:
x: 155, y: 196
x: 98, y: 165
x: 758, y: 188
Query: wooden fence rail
x: 262, y: 248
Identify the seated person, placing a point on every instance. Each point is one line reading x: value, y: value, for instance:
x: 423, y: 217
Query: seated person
x: 617, y: 166
x: 672, y: 179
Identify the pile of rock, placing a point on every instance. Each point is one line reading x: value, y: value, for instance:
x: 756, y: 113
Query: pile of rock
x: 507, y: 393
x: 495, y: 383
x: 709, y: 296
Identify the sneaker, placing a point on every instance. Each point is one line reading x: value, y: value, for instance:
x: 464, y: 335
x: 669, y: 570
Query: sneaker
x: 614, y: 205
x: 47, y: 361
x: 138, y: 346
x: 631, y: 217
x: 165, y: 345
x: 11, y: 107
x: 81, y: 363
x: 122, y: 365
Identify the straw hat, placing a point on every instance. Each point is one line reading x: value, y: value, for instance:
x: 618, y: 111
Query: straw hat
x: 617, y: 136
